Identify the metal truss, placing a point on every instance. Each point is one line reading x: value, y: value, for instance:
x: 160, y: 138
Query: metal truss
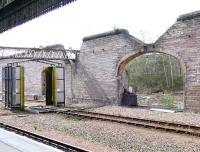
x: 37, y: 53
x: 44, y: 61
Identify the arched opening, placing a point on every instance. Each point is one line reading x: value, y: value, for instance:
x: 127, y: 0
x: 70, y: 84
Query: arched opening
x: 157, y: 78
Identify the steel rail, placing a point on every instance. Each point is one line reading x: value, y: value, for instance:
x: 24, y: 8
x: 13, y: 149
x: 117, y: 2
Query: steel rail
x: 147, y: 123
x: 51, y: 142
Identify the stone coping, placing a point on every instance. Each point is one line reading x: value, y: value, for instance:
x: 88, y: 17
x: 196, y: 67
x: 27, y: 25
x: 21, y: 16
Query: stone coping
x: 110, y: 33
x: 189, y: 16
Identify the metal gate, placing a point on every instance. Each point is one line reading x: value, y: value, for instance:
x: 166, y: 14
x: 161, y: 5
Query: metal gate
x: 60, y: 86
x: 13, y: 86
x: 53, y: 85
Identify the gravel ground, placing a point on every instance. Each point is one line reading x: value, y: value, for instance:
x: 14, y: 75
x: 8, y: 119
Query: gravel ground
x: 102, y: 136
x: 3, y: 111
x: 181, y: 117
x: 34, y: 103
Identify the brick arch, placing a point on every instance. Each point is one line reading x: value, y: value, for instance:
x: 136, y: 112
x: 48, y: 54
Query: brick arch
x: 143, y: 50
x: 135, y: 53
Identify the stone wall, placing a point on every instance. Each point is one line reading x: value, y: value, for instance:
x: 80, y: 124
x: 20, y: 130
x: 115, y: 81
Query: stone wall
x: 183, y: 40
x: 95, y: 73
x: 98, y: 74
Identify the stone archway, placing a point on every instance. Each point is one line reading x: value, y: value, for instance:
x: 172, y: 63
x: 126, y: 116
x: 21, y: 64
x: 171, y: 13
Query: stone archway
x: 144, y: 50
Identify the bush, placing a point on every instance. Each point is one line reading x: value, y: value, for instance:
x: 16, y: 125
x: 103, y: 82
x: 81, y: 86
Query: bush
x: 155, y: 70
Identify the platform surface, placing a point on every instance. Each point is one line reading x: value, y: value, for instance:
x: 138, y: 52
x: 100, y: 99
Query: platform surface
x: 11, y: 142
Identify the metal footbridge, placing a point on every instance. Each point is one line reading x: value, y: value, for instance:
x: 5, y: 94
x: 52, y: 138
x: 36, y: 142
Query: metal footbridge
x: 37, y: 53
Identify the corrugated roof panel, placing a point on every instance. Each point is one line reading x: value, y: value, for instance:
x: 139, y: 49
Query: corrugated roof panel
x: 18, y: 12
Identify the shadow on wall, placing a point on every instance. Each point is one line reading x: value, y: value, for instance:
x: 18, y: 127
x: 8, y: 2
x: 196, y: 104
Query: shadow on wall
x: 93, y: 87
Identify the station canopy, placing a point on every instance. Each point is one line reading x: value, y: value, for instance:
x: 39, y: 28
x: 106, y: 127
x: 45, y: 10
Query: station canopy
x: 16, y: 12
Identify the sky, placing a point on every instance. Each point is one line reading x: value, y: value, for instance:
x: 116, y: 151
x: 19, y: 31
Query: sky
x: 144, y: 19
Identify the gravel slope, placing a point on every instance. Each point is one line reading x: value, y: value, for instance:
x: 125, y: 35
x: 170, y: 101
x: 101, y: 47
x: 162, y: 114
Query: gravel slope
x: 181, y: 117
x: 101, y: 136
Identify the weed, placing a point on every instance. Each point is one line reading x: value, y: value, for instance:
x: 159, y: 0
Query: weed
x: 167, y: 101
x: 142, y: 101
x: 36, y: 128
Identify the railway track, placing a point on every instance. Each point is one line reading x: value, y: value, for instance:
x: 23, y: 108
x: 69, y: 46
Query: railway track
x: 59, y: 145
x: 147, y: 123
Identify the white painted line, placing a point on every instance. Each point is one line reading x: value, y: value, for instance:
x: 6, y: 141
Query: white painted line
x: 162, y: 110
x: 24, y: 144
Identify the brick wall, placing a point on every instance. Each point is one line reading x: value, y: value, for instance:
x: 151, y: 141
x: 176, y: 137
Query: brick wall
x: 99, y: 72
x: 98, y: 75
x: 95, y: 73
x: 183, y: 39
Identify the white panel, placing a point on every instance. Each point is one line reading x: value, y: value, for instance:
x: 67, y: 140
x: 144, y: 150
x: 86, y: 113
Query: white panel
x: 17, y: 99
x: 59, y: 85
x: 60, y: 97
x: 59, y: 73
x: 14, y: 99
x: 17, y: 73
x: 14, y: 85
x: 17, y: 86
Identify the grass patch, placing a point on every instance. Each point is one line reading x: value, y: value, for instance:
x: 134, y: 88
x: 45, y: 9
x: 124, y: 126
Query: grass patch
x: 167, y: 101
x: 36, y: 128
x: 142, y: 101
